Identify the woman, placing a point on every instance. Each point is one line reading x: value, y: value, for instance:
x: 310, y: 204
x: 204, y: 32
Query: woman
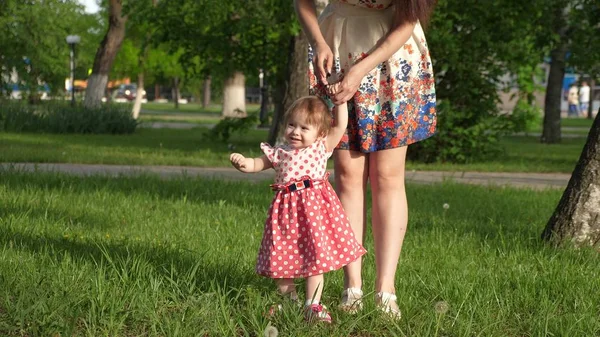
x: 377, y: 51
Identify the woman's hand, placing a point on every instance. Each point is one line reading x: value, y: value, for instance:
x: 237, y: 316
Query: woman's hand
x: 347, y: 87
x: 322, y: 61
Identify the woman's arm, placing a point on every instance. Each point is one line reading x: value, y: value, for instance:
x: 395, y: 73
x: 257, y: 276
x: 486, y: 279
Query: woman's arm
x: 323, y: 57
x: 393, y: 41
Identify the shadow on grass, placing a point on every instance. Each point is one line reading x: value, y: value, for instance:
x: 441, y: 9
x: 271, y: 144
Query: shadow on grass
x: 50, y: 213
x: 173, y: 264
x: 193, y: 189
x: 495, y: 215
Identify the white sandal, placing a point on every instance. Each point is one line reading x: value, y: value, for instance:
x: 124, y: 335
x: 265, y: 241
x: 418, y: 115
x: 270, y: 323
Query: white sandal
x: 351, y: 300
x: 386, y: 302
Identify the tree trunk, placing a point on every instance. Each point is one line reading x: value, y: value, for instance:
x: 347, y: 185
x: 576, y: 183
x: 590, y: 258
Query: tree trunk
x: 156, y: 91
x: 551, y: 133
x: 234, y: 96
x: 206, y: 92
x: 106, y: 54
x: 176, y: 92
x: 577, y: 216
x: 139, y: 95
x: 294, y: 86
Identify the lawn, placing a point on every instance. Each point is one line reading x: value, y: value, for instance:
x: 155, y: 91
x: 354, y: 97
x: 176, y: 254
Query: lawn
x: 144, y: 256
x: 213, y: 109
x: 193, y: 148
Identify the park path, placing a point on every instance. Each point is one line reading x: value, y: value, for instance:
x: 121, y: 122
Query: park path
x: 519, y: 180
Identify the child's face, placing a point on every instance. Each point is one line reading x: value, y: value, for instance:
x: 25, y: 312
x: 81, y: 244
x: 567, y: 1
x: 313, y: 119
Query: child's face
x: 298, y: 133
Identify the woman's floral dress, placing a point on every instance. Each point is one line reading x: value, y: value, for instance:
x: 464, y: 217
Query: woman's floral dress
x: 395, y: 103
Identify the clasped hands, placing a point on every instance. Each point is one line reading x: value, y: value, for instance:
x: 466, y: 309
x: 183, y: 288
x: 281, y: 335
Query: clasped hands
x: 344, y: 89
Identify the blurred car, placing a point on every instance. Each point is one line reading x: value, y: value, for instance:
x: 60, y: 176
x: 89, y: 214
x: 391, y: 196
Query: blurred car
x: 127, y: 93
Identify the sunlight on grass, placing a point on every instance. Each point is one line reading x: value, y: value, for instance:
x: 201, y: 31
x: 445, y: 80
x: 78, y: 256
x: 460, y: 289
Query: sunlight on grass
x: 145, y: 256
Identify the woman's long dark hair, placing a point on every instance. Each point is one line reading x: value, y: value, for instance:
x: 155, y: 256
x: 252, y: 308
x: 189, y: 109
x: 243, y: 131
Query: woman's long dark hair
x: 414, y: 10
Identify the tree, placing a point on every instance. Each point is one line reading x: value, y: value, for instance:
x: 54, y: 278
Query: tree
x: 229, y: 37
x: 32, y: 42
x: 576, y: 219
x: 292, y: 84
x: 473, y: 45
x: 106, y: 54
x: 569, y: 27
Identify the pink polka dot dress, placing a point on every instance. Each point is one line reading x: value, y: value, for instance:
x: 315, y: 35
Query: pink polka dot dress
x: 306, y: 232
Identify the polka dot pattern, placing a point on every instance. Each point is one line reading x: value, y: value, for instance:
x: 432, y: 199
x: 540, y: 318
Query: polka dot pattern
x: 306, y: 232
x: 290, y: 164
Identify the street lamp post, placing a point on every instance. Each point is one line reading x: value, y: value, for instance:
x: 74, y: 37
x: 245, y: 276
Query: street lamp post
x: 72, y: 40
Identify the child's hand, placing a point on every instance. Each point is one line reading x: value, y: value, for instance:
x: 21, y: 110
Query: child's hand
x: 332, y: 89
x: 238, y: 161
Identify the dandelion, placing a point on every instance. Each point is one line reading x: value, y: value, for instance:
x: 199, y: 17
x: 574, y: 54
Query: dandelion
x: 446, y: 205
x: 271, y: 331
x: 441, y: 307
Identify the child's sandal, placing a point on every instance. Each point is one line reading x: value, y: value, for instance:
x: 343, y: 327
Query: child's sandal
x: 317, y: 313
x: 386, y: 302
x: 351, y: 300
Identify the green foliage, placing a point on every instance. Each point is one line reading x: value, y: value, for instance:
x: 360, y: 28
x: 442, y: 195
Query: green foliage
x: 32, y: 40
x: 64, y: 118
x: 473, y: 45
x: 233, y: 125
x: 525, y: 117
x: 462, y: 139
x: 221, y: 37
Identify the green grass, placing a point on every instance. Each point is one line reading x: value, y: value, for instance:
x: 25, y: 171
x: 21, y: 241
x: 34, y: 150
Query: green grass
x: 578, y: 126
x: 214, y: 109
x: 144, y: 256
x: 144, y: 147
x: 192, y: 148
x: 577, y: 122
x: 522, y: 154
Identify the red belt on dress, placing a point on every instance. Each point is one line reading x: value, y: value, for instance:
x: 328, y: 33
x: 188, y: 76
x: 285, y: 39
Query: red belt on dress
x: 297, y: 185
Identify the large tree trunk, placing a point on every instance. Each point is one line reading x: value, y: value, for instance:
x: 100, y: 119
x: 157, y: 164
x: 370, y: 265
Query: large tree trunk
x: 294, y: 86
x: 551, y: 133
x: 139, y: 95
x: 577, y: 217
x: 234, y: 96
x: 206, y: 92
x: 106, y: 54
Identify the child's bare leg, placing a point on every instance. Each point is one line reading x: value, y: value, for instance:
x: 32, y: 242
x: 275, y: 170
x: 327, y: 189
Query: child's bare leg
x: 287, y: 287
x: 314, y: 289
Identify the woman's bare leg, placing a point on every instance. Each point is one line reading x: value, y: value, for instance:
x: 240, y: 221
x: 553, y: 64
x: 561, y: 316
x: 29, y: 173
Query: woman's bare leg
x: 351, y: 174
x: 390, y: 213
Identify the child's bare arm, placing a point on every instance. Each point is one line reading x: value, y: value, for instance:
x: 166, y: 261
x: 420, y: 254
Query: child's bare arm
x: 249, y: 165
x: 340, y: 122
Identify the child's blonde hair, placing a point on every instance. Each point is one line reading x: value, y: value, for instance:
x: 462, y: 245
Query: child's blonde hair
x: 315, y: 111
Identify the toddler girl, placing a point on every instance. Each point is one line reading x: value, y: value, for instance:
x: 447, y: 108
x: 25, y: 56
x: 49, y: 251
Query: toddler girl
x: 307, y: 232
